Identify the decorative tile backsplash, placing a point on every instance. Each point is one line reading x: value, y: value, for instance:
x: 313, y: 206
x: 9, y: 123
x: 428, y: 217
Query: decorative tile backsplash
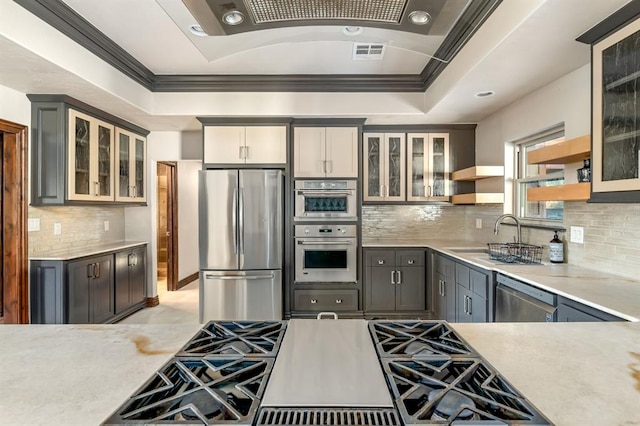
x: 80, y: 226
x: 611, y: 231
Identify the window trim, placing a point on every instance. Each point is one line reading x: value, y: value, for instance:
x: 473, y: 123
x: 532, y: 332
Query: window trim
x: 550, y: 133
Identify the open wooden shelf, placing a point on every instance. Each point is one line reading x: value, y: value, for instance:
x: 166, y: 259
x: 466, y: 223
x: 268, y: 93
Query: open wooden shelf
x: 478, y: 198
x: 568, y: 192
x: 569, y: 151
x: 477, y: 172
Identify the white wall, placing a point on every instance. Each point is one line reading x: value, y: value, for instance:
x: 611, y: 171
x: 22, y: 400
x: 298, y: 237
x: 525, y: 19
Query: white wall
x: 141, y: 222
x: 188, y: 217
x: 567, y: 100
x: 14, y: 106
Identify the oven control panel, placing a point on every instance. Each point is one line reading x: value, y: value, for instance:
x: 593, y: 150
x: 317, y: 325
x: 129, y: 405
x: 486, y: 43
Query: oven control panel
x: 325, y: 231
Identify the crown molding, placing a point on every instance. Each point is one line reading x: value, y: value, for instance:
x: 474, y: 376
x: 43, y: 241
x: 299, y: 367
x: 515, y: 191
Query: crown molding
x: 63, y: 18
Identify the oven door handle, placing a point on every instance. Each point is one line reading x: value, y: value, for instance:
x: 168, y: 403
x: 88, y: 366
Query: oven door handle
x: 324, y: 243
x: 323, y: 192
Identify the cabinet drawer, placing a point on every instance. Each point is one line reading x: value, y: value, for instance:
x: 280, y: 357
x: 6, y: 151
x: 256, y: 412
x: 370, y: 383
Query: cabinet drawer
x: 410, y: 258
x: 326, y: 300
x: 462, y: 275
x: 381, y: 258
x: 478, y: 283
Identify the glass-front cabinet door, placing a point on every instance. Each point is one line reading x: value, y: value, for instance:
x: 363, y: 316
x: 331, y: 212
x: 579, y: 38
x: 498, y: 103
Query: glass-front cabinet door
x: 384, y: 166
x: 90, y: 158
x: 131, y: 161
x: 428, y: 167
x: 616, y: 112
x: 439, y: 183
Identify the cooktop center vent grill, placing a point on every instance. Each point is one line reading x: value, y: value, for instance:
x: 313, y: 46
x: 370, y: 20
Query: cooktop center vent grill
x: 265, y: 11
x: 327, y: 417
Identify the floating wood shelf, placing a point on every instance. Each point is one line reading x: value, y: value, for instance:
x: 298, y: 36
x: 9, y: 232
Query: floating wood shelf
x: 569, y: 151
x: 478, y: 198
x: 477, y: 172
x: 568, y: 192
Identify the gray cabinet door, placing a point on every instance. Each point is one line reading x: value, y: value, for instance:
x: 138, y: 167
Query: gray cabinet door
x: 381, y: 292
x: 463, y: 296
x: 77, y: 292
x: 122, y: 284
x: 138, y: 275
x: 410, y: 288
x: 450, y: 290
x: 101, y: 290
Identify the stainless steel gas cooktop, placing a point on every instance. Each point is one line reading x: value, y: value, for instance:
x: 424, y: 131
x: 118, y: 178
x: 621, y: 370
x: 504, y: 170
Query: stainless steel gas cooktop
x: 435, y: 377
x: 428, y: 375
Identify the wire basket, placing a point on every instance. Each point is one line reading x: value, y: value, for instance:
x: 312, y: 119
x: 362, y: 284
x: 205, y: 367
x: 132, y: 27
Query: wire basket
x: 515, y: 253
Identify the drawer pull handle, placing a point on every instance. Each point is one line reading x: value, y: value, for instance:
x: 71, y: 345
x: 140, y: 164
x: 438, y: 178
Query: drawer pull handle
x: 314, y: 301
x: 322, y: 314
x: 380, y: 262
x: 411, y: 262
x: 393, y: 277
x: 338, y: 301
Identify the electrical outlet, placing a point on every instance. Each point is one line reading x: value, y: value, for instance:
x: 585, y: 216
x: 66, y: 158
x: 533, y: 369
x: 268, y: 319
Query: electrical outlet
x: 577, y: 234
x: 34, y: 224
x: 478, y: 223
x: 57, y: 228
x: 106, y: 225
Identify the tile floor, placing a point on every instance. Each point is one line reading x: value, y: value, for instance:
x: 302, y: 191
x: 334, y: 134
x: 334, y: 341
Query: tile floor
x: 176, y: 307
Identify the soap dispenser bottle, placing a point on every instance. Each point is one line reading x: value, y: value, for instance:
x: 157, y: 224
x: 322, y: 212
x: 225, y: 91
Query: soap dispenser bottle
x: 556, y: 249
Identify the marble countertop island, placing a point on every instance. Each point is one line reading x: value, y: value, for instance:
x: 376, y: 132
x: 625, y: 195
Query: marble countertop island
x: 609, y: 293
x: 575, y: 373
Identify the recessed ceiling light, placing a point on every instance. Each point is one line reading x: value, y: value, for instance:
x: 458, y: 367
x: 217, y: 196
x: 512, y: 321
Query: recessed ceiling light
x: 351, y: 31
x: 197, y: 30
x: 419, y: 17
x: 484, y: 93
x: 233, y: 17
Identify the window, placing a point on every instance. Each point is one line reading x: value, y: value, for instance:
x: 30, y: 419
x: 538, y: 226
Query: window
x: 537, y: 175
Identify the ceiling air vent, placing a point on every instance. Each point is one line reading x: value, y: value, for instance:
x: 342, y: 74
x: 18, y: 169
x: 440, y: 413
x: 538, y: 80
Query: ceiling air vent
x: 368, y: 50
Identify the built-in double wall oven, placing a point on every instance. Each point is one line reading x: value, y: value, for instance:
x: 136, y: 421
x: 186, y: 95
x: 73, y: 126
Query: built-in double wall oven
x: 326, y: 231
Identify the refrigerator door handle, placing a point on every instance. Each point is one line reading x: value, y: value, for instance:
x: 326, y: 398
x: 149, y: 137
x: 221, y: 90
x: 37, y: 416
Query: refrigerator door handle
x: 241, y: 222
x: 238, y: 277
x: 234, y: 220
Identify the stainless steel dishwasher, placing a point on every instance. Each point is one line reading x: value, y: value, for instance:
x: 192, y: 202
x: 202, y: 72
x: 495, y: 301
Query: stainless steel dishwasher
x: 520, y: 302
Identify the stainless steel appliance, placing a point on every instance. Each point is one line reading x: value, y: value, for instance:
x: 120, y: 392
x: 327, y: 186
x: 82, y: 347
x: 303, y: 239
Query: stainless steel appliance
x: 326, y: 200
x: 436, y: 377
x: 241, y: 226
x: 326, y: 253
x: 520, y: 302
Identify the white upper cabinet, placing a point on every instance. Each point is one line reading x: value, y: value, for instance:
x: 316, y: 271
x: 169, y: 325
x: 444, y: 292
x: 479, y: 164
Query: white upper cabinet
x: 428, y: 167
x: 90, y: 158
x: 131, y: 154
x: 384, y: 166
x: 245, y: 145
x: 325, y: 152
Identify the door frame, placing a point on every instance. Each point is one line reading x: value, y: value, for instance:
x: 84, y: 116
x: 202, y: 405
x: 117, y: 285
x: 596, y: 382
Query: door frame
x: 172, y: 224
x: 15, y: 275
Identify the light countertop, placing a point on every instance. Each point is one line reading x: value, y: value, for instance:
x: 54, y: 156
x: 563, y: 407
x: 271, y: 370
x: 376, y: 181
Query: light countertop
x: 609, y: 293
x: 575, y: 373
x: 77, y: 252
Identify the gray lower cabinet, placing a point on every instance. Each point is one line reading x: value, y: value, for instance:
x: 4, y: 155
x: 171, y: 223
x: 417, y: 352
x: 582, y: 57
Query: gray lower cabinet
x: 130, y: 278
x: 571, y: 311
x: 394, y: 280
x: 89, y: 290
x: 326, y: 300
x: 460, y: 292
x: 443, y: 287
x: 472, y: 290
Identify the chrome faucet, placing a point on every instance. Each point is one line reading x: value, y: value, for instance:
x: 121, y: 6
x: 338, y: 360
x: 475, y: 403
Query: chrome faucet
x: 515, y: 219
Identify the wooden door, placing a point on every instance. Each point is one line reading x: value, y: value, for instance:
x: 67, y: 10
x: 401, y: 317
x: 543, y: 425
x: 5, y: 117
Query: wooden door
x: 167, y: 229
x: 14, y: 297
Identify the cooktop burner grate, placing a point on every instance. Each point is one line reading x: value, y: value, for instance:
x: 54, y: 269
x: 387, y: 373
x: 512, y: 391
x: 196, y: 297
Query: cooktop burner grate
x: 199, y: 391
x: 417, y: 339
x: 236, y: 338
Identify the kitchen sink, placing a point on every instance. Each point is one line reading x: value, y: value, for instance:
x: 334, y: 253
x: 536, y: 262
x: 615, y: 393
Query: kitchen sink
x: 468, y: 249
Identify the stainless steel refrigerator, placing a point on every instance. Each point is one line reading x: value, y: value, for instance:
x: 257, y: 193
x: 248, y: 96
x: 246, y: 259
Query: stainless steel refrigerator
x: 241, y: 225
